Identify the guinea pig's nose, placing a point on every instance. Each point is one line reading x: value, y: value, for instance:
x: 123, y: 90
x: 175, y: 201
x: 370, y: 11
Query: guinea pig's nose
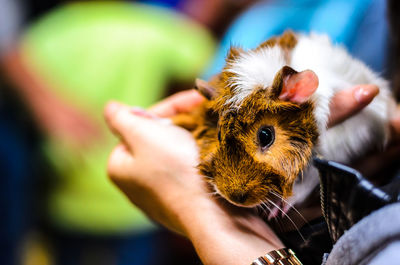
x: 239, y: 196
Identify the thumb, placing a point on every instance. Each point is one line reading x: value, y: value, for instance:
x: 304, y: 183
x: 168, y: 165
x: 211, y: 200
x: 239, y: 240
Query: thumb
x: 350, y: 101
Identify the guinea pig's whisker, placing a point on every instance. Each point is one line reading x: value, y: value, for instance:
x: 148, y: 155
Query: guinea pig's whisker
x: 259, y: 210
x: 266, y: 211
x: 264, y: 208
x: 288, y: 203
x: 275, y: 220
x: 213, y: 192
x: 290, y: 219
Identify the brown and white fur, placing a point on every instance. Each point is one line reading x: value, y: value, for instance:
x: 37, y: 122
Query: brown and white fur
x: 271, y: 90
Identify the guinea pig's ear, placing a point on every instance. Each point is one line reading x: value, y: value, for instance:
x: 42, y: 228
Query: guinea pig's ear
x: 293, y: 86
x: 207, y: 90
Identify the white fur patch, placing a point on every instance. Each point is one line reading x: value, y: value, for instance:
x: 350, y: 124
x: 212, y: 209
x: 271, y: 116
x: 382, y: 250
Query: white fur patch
x: 254, y: 69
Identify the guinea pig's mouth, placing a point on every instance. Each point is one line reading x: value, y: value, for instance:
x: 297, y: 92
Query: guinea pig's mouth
x: 272, y: 204
x: 241, y: 198
x: 244, y: 204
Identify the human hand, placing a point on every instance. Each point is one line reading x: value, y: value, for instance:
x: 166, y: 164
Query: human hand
x: 349, y: 102
x: 157, y: 172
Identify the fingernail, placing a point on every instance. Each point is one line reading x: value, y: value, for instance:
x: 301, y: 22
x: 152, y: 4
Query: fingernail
x: 142, y: 112
x: 365, y: 94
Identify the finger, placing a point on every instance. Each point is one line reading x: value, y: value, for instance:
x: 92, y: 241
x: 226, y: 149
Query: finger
x: 350, y: 101
x: 120, y: 163
x: 180, y: 102
x: 123, y: 123
x: 110, y: 110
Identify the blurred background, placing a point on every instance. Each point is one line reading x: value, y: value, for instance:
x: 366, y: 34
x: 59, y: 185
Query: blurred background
x: 61, y: 61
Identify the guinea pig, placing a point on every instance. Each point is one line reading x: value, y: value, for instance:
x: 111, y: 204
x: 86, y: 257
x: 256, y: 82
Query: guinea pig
x: 266, y: 115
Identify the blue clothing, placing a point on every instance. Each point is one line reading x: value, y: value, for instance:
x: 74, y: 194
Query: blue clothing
x: 18, y: 170
x: 352, y: 23
x: 166, y: 3
x: 374, y: 240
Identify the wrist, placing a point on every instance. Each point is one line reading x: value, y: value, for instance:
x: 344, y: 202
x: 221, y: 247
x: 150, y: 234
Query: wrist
x: 228, y: 236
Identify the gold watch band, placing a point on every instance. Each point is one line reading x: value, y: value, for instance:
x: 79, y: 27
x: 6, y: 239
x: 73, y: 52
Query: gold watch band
x: 284, y: 256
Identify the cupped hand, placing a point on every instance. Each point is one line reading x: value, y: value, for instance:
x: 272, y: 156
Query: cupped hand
x: 349, y: 102
x: 155, y: 166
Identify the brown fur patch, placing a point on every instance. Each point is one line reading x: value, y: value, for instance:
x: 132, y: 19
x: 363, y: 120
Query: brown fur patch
x: 287, y: 41
x: 233, y: 53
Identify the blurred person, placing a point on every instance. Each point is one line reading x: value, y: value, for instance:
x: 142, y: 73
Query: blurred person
x: 349, y: 23
x: 66, y: 67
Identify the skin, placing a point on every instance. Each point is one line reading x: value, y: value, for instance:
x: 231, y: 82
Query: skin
x: 154, y: 165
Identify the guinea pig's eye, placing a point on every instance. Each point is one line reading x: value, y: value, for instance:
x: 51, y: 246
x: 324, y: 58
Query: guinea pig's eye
x: 266, y: 137
x: 219, y: 136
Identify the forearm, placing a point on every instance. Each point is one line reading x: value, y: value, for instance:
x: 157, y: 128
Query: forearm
x: 222, y: 236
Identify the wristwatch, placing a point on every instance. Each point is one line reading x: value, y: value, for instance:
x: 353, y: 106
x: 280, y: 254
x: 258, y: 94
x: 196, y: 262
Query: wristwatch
x: 283, y: 256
